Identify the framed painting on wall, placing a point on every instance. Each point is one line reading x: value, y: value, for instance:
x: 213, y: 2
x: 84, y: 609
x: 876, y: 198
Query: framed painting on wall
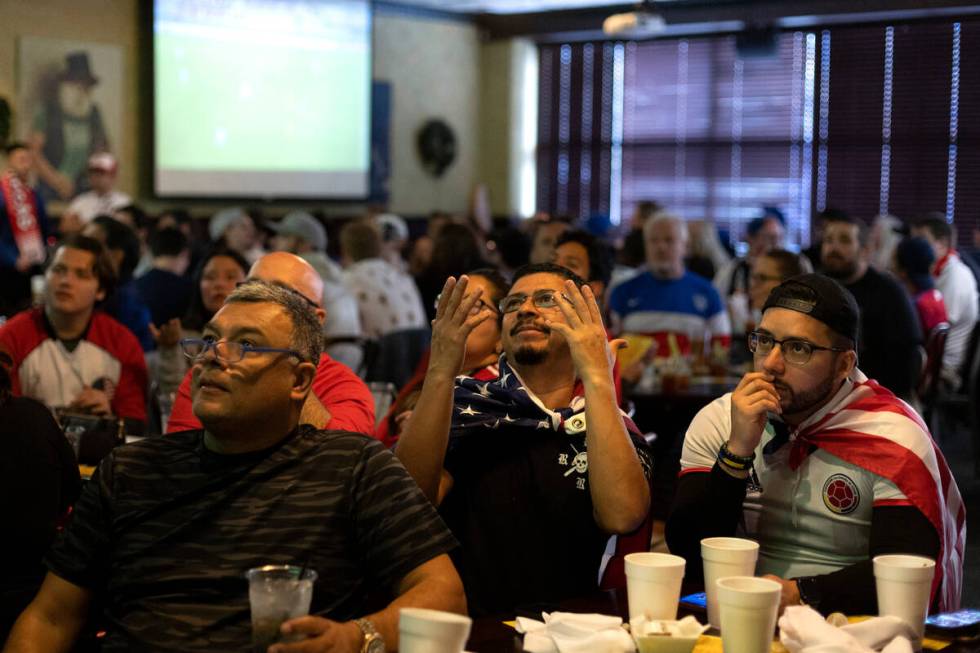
x: 70, y: 107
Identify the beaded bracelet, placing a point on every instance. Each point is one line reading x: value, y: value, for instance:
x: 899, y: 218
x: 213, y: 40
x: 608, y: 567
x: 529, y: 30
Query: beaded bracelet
x: 730, y: 460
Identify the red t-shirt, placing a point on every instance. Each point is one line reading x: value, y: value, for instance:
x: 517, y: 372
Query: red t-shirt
x: 342, y: 393
x: 931, y: 309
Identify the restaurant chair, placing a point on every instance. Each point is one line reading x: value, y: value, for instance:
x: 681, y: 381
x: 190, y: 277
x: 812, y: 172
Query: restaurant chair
x: 927, y: 386
x: 962, y: 404
x: 384, y: 394
x: 393, y: 357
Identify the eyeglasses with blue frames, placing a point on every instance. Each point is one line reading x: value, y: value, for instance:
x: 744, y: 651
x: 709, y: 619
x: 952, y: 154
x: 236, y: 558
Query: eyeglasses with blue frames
x: 795, y: 350
x: 547, y: 299
x: 228, y: 351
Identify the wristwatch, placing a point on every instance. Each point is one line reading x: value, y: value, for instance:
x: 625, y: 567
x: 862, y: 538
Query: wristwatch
x: 373, y: 641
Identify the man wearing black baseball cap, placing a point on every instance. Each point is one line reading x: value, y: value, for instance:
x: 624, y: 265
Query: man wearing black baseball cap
x: 824, y: 467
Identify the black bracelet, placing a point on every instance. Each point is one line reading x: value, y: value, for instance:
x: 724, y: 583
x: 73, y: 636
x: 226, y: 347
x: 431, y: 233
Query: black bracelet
x: 730, y: 460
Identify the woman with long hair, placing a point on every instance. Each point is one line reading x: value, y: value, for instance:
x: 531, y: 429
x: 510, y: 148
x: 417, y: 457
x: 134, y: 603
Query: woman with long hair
x: 220, y: 271
x: 480, y: 362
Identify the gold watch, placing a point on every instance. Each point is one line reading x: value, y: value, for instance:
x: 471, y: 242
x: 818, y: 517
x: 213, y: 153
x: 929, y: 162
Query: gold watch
x: 373, y: 641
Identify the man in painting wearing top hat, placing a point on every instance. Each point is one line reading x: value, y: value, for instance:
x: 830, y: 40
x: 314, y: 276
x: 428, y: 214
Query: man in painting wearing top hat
x: 68, y: 129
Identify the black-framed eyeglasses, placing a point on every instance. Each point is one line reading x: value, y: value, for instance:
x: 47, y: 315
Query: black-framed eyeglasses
x: 547, y: 299
x: 477, y: 307
x: 795, y: 350
x: 228, y: 351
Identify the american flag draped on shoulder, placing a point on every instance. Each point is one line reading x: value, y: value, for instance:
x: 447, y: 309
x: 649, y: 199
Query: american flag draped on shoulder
x: 871, y: 428
x: 482, y: 406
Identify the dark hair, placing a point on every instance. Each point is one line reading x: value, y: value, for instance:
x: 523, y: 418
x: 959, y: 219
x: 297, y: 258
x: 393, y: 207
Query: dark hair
x: 547, y: 268
x: 121, y: 237
x: 756, y: 224
x: 936, y: 224
x: 600, y: 258
x: 498, y: 284
x: 12, y: 147
x: 140, y: 219
x: 914, y: 257
x: 633, y: 252
x: 790, y: 264
x: 513, y: 246
x: 839, y: 217
x: 169, y: 241
x: 647, y: 209
x: 454, y: 250
x: 197, y: 314
x: 307, y: 333
x: 359, y: 240
x: 101, y: 265
x: 180, y: 216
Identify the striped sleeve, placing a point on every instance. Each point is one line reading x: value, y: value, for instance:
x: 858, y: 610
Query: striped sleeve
x: 80, y: 554
x: 397, y: 528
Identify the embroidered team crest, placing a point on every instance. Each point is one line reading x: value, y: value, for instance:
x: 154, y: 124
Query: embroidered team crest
x: 841, y: 495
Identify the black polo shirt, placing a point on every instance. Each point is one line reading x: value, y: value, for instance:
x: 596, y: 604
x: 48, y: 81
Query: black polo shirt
x: 522, y: 511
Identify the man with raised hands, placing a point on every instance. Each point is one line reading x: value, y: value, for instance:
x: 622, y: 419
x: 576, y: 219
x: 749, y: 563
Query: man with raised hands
x: 824, y: 467
x: 534, y: 471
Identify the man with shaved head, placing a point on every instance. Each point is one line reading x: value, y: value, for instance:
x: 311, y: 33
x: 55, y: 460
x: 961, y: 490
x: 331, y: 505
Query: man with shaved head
x: 339, y: 399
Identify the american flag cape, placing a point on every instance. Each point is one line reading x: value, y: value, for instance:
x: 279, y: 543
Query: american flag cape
x: 868, y: 426
x: 483, y: 406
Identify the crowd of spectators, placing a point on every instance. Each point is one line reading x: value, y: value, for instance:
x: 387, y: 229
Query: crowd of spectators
x: 158, y: 323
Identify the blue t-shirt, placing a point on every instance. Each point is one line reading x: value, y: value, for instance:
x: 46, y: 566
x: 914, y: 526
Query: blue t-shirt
x: 688, y: 307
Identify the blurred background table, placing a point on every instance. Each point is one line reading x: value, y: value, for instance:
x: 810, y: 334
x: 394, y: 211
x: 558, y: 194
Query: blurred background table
x: 667, y: 410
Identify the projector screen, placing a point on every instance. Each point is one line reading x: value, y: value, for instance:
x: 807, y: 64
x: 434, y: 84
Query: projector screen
x: 262, y: 98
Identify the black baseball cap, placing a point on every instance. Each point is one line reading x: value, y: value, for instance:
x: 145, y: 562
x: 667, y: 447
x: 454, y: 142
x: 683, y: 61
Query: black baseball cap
x: 821, y: 298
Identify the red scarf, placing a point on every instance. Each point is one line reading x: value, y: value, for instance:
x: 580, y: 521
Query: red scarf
x: 22, y: 214
x: 867, y: 426
x: 941, y: 263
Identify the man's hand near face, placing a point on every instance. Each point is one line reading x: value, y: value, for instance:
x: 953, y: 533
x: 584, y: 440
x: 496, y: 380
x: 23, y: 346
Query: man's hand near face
x: 752, y: 400
x: 422, y: 444
x: 620, y: 490
x: 592, y: 353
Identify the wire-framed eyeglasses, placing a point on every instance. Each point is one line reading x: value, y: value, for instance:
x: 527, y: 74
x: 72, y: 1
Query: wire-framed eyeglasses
x: 547, y: 299
x: 228, y: 351
x: 795, y: 350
